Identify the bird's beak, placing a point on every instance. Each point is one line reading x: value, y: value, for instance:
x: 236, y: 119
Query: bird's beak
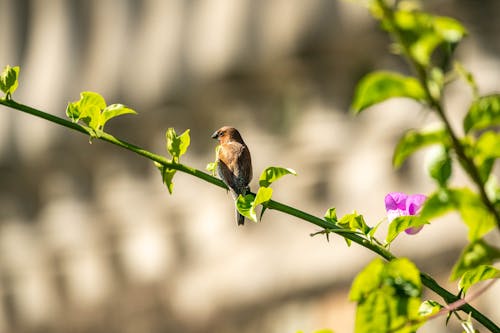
x: 215, y: 135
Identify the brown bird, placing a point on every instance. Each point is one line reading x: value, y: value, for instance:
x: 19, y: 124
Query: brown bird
x: 234, y: 164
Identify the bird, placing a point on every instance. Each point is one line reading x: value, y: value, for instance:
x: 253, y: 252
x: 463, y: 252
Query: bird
x: 234, y: 163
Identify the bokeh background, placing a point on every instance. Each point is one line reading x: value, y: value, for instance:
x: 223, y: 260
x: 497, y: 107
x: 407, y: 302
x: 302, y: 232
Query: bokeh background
x: 90, y: 239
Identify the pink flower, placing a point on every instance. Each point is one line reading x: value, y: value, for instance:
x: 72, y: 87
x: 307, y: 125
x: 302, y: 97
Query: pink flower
x: 401, y: 204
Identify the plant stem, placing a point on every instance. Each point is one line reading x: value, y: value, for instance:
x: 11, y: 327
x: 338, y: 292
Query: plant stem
x: 428, y: 281
x: 465, y: 161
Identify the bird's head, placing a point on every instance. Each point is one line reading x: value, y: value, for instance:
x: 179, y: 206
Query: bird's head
x: 227, y: 134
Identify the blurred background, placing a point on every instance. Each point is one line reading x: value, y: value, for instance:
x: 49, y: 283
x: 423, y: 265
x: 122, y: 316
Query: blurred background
x: 90, y: 239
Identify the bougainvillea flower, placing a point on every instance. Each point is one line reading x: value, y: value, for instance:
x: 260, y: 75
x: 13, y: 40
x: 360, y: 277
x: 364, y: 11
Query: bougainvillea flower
x: 401, y: 204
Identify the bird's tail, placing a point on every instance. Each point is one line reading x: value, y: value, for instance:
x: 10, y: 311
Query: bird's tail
x: 239, y: 218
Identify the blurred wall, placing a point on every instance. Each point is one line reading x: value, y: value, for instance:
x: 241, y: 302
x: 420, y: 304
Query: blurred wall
x: 90, y: 240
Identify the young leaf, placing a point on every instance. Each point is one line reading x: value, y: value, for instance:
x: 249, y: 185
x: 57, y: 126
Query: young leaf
x: 247, y: 205
x: 483, y: 112
x: 488, y: 146
x: 379, y: 86
x: 114, y: 110
x: 88, y: 109
x: 271, y: 174
x: 449, y: 29
x: 388, y: 296
x: 73, y: 111
x: 413, y: 140
x: 486, y: 150
x: 9, y: 80
x: 331, y: 215
x: 437, y: 204
x: 212, y: 166
x: 91, y: 116
x: 244, y: 204
x: 167, y: 176
x: 429, y: 308
x: 92, y: 99
x: 374, y: 313
x: 354, y: 221
x: 401, y: 223
x: 467, y: 77
x: 368, y: 280
x: 422, y: 33
x: 404, y: 276
x: 177, y: 145
x: 468, y: 326
x: 439, y: 165
x: 476, y: 216
x: 263, y: 195
x: 474, y: 255
x: 481, y: 273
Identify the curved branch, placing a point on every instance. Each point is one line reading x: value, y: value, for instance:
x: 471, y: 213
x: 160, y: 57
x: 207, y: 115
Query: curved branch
x: 428, y: 281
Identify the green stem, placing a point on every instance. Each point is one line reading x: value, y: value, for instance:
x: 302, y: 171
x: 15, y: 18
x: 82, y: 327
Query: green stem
x: 275, y: 205
x: 465, y: 161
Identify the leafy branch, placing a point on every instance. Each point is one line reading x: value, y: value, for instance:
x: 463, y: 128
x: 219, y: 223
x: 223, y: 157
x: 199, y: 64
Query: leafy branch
x: 432, y: 81
x: 328, y: 223
x: 388, y: 293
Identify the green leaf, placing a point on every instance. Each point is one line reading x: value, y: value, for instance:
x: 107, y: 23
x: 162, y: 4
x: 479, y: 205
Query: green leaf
x: 177, y: 145
x: 468, y: 77
x: 92, y: 110
x: 429, y: 308
x: 468, y: 326
x: 481, y: 273
x: 379, y: 86
x: 212, y: 166
x: 485, y: 151
x: 401, y: 223
x: 73, y: 111
x: 484, y: 112
x: 91, y: 99
x: 421, y: 33
x: 475, y: 215
x: 245, y: 206
x: 439, y: 166
x: 368, y: 280
x: 413, y: 140
x: 167, y: 176
x: 404, y: 276
x: 473, y: 212
x: 9, y: 80
x: 373, y: 314
x: 354, y: 221
x: 331, y: 215
x: 474, y: 255
x: 449, y: 29
x: 263, y: 195
x: 488, y: 146
x: 437, y: 204
x: 271, y: 174
x: 88, y: 109
x: 388, y: 296
x: 114, y: 110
